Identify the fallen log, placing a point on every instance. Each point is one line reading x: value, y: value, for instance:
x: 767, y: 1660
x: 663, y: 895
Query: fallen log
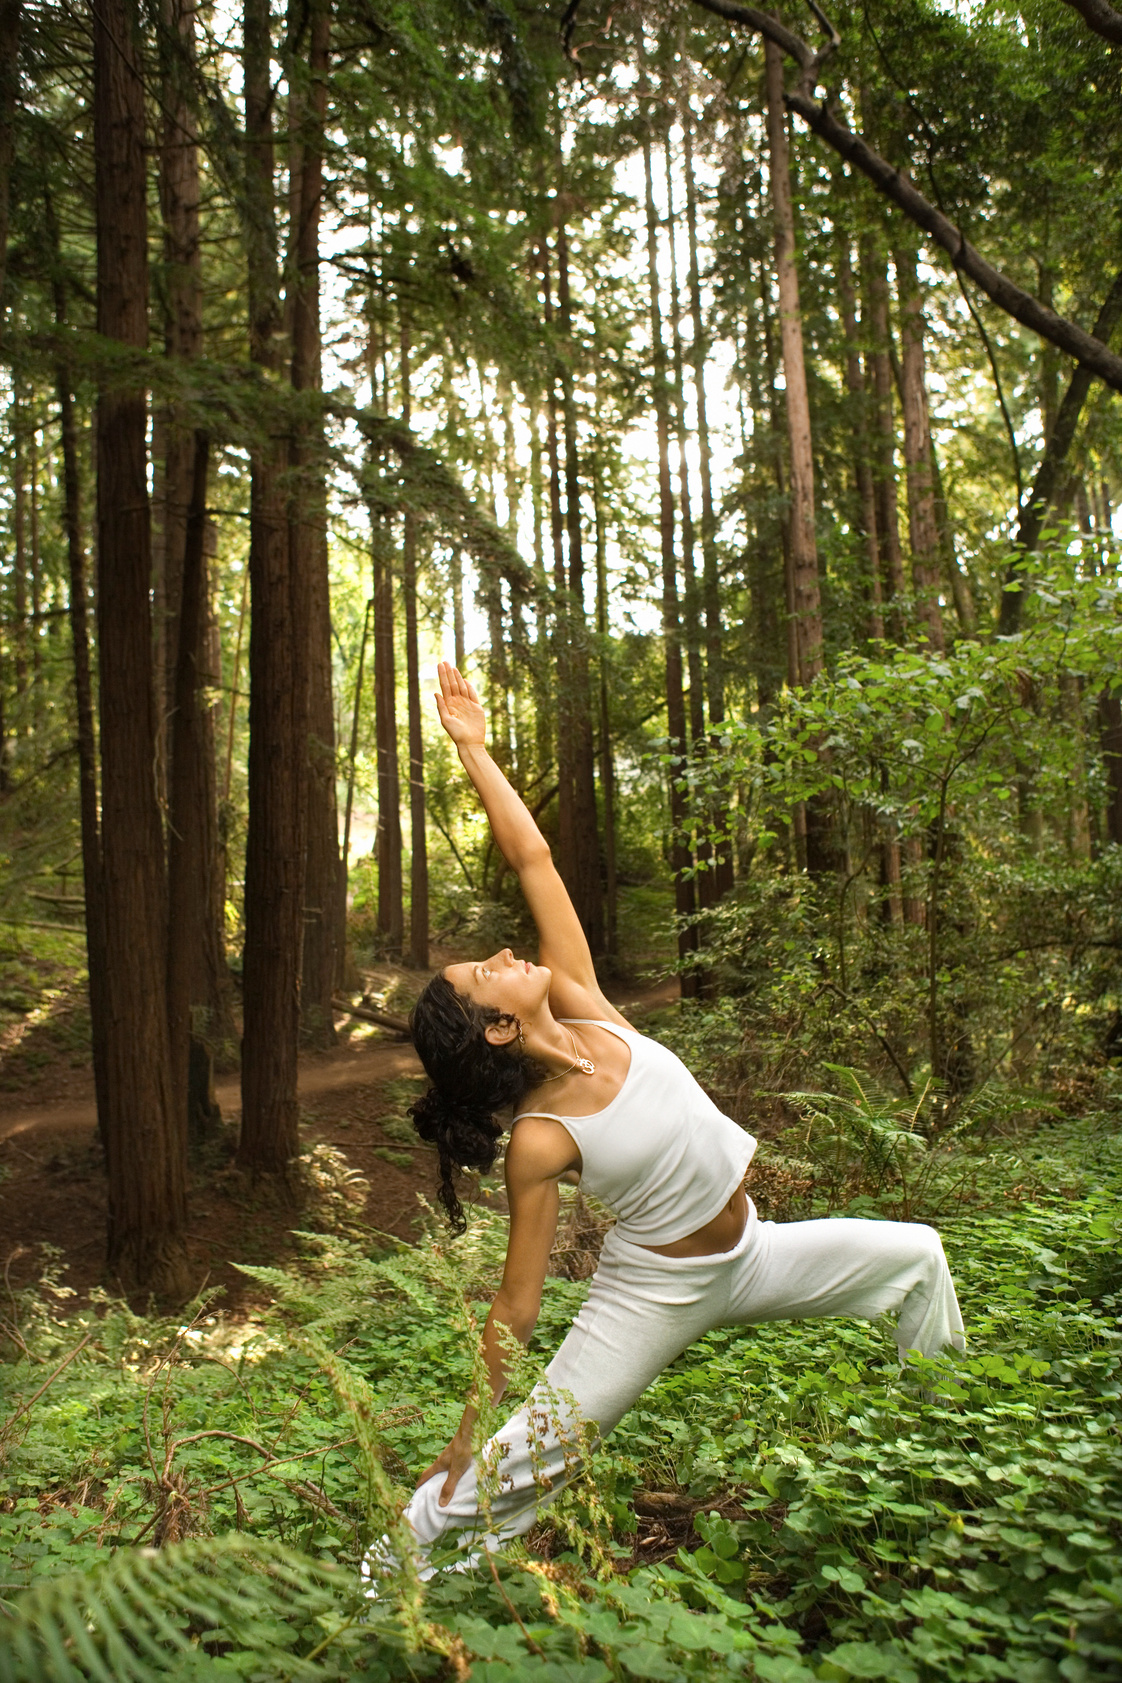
x: 370, y: 1014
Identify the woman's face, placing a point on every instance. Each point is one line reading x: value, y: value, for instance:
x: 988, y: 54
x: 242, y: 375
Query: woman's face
x: 513, y: 986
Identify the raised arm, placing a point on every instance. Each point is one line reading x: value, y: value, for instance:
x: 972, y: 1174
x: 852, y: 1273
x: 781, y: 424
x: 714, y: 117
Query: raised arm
x: 563, y: 946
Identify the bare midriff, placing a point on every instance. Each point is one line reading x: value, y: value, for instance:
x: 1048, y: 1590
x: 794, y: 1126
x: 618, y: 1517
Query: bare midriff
x: 721, y: 1234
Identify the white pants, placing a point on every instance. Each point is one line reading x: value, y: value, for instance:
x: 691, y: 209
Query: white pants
x: 643, y: 1310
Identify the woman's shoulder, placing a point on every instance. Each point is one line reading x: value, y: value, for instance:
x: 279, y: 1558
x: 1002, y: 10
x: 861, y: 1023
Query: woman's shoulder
x: 539, y: 1146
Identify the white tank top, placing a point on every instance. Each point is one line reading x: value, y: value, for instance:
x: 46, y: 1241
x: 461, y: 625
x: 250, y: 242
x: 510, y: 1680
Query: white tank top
x: 661, y: 1155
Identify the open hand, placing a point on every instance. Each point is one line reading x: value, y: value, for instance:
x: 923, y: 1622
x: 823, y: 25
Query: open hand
x: 455, y: 1460
x: 459, y: 707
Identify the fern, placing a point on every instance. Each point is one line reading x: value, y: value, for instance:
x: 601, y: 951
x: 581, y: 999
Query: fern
x: 147, y: 1613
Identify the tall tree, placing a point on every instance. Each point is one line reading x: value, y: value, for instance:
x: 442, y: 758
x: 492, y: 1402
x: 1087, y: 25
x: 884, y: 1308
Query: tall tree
x: 309, y: 35
x: 418, y: 951
x: 197, y: 982
x: 586, y: 852
x: 681, y: 859
x: 922, y: 527
x: 804, y: 594
x: 146, y: 1157
x: 278, y: 667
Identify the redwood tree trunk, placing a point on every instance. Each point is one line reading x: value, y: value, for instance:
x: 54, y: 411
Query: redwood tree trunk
x: 681, y: 858
x: 146, y: 1157
x: 278, y: 701
x: 418, y: 850
x: 324, y: 889
x: 387, y: 845
x: 922, y: 526
x: 803, y: 545
x: 862, y: 469
x: 83, y: 703
x: 884, y: 436
x: 198, y: 988
x: 588, y: 898
x: 10, y: 14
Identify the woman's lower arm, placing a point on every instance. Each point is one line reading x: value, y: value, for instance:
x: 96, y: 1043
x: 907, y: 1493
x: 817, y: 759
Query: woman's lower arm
x: 503, y: 1318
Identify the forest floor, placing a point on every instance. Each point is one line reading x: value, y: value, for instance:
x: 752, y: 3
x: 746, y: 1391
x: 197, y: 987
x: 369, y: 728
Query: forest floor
x: 356, y: 1140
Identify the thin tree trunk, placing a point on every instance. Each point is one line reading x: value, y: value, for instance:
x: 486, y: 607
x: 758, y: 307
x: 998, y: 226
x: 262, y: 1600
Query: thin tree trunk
x: 19, y: 558
x: 418, y: 867
x: 387, y: 843
x: 961, y: 594
x: 199, y: 1005
x: 11, y: 12
x: 711, y: 591
x: 607, y: 761
x: 34, y: 571
x: 681, y: 859
x: 1047, y: 481
x: 324, y: 909
x: 588, y: 898
x: 690, y: 602
x: 146, y: 1157
x: 922, y: 527
x: 805, y: 601
x: 862, y: 467
x: 278, y: 701
x: 884, y: 428
x: 194, y: 958
x: 804, y: 606
x: 1110, y: 738
x: 567, y: 863
x: 458, y: 608
x: 93, y: 892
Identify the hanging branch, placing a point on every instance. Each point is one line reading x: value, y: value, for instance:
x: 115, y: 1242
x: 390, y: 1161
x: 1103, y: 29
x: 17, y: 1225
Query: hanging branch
x: 903, y: 193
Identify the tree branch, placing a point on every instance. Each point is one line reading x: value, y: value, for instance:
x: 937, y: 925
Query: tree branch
x: 1034, y: 512
x: 1100, y: 17
x: 903, y: 193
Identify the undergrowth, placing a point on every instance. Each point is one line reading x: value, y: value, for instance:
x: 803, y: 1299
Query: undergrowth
x: 193, y: 1498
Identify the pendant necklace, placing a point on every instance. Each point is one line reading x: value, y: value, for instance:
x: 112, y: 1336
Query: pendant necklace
x: 585, y: 1065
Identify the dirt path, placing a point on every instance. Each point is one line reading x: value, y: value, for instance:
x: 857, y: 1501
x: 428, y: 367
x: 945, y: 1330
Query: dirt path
x: 324, y: 1072
x: 52, y: 1178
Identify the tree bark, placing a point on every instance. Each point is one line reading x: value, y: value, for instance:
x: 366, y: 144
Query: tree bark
x: 1110, y: 738
x: 567, y: 861
x: 862, y: 467
x: 1102, y: 18
x: 711, y: 589
x: 199, y: 1006
x: 1046, y: 484
x: 607, y: 759
x: 278, y: 700
x: 78, y: 614
x: 681, y: 859
x: 11, y: 12
x: 418, y: 852
x: 196, y: 959
x: 884, y: 467
x: 324, y: 907
x: 922, y: 528
x: 804, y: 597
x: 146, y: 1157
x: 588, y: 899
x: 387, y: 842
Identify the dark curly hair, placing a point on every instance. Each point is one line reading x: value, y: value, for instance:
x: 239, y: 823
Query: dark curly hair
x: 471, y: 1080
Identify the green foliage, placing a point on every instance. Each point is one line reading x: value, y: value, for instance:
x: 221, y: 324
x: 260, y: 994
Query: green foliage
x: 955, y: 1521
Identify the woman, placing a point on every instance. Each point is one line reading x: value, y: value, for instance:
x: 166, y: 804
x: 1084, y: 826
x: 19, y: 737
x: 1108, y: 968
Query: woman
x: 599, y: 1103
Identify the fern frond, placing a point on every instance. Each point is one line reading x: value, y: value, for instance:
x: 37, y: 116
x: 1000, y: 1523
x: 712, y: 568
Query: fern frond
x: 140, y: 1614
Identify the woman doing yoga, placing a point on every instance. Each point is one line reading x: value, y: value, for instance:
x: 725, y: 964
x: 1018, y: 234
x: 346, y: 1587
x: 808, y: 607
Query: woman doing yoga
x: 596, y: 1102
